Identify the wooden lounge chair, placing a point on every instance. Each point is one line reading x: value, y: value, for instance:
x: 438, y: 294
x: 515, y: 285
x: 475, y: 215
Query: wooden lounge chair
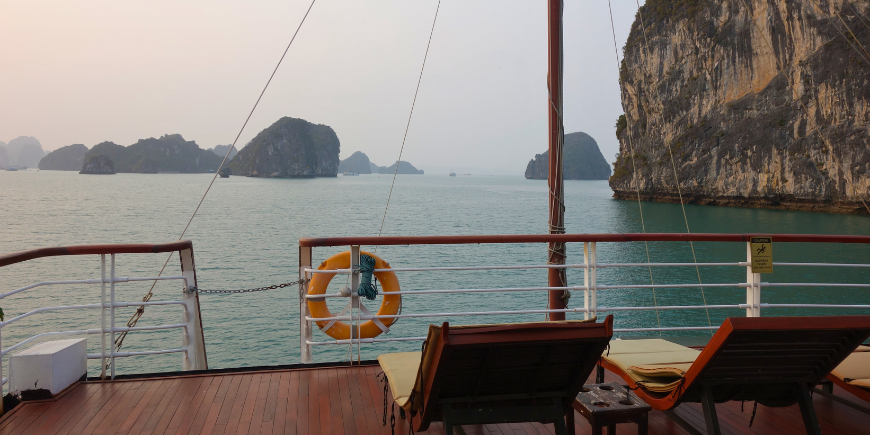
x: 853, y: 376
x: 772, y: 360
x: 507, y: 373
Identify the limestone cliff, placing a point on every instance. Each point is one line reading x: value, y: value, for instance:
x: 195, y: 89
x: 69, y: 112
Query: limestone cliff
x: 357, y: 162
x: 169, y: 153
x: 68, y: 158
x: 98, y: 164
x: 767, y: 106
x: 290, y: 147
x: 581, y: 160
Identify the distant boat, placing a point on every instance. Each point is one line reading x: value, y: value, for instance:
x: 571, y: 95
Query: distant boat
x: 224, y: 175
x: 453, y: 174
x: 350, y: 174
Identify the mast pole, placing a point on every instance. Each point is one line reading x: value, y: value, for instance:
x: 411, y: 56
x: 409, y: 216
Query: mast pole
x: 556, y: 251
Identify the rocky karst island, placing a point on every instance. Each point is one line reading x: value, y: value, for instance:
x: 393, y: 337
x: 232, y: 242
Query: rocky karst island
x: 581, y: 160
x: 290, y: 148
x: 767, y: 106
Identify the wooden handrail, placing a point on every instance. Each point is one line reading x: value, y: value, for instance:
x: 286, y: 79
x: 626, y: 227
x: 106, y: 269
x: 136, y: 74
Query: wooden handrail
x: 312, y: 242
x: 130, y: 248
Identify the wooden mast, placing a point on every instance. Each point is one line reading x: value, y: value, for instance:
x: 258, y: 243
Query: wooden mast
x: 556, y: 251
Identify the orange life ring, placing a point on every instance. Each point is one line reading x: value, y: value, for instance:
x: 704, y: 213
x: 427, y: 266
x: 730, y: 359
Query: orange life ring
x: 340, y: 330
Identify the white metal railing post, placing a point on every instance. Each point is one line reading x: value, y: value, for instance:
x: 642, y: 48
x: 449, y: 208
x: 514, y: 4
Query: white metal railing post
x: 354, y: 298
x: 103, y: 316
x: 593, y: 277
x: 305, y: 333
x: 753, y: 291
x: 194, y: 342
x: 112, y: 310
x: 586, y: 280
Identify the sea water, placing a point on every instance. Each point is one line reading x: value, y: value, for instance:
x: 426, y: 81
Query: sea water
x: 247, y: 230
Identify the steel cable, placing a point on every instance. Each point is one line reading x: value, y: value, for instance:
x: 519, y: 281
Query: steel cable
x: 141, y: 310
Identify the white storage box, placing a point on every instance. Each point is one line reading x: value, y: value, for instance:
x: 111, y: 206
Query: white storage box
x: 53, y: 365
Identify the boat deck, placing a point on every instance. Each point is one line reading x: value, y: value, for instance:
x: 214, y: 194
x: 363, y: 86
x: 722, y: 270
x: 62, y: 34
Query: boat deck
x: 329, y: 400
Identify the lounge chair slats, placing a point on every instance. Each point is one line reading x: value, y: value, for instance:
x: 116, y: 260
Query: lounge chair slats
x: 770, y: 360
x: 501, y: 373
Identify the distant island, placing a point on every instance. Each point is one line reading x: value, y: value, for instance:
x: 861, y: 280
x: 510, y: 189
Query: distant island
x: 221, y: 150
x: 581, y: 160
x: 359, y: 162
x: 20, y: 152
x: 68, y: 158
x: 290, y: 148
x: 169, y: 153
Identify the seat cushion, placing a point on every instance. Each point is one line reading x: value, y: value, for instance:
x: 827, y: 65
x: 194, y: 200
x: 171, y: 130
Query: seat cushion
x: 657, y: 365
x: 401, y: 371
x: 855, y: 369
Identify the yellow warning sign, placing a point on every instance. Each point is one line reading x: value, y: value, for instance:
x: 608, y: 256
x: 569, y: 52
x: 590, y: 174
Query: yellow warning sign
x: 761, y: 250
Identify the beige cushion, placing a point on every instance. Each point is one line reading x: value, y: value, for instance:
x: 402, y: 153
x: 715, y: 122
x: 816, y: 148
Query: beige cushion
x: 855, y: 369
x: 657, y: 365
x: 401, y: 371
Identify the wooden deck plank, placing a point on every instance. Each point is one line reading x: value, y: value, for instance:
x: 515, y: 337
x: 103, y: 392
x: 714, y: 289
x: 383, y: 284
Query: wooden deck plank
x: 188, y: 408
x: 248, y: 405
x: 290, y: 425
x: 184, y: 392
x: 41, y: 423
x: 21, y: 424
x: 188, y: 402
x: 302, y: 402
x: 335, y: 398
x: 116, y: 390
x: 363, y: 420
x: 126, y: 420
x: 208, y: 422
x: 346, y: 404
x: 281, y: 403
x: 128, y: 399
x: 151, y: 410
x: 258, y: 414
x: 75, y: 409
x: 324, y: 401
x: 196, y: 416
x: 237, y: 407
x: 348, y: 400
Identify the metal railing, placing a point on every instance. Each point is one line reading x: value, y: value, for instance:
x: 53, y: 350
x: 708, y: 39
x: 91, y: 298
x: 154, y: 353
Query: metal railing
x: 192, y: 343
x: 590, y: 288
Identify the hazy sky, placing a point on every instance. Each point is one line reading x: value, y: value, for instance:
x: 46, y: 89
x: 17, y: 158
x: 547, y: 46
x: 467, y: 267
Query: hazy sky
x: 92, y: 71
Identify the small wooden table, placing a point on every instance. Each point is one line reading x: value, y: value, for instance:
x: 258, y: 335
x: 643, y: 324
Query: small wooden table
x: 609, y: 404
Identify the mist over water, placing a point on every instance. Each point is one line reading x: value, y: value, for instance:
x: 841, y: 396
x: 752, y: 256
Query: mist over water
x: 246, y: 235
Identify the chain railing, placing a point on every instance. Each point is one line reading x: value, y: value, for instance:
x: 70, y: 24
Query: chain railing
x: 356, y: 313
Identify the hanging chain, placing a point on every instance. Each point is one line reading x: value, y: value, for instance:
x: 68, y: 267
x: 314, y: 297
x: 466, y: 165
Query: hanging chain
x: 248, y: 290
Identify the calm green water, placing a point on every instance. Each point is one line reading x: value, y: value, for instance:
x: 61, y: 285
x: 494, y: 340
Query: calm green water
x: 247, y: 231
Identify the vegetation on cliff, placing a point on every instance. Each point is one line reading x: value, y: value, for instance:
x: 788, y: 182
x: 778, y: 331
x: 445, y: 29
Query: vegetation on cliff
x: 169, y: 153
x: 762, y: 107
x: 290, y: 147
x: 97, y: 164
x: 68, y: 158
x: 581, y: 160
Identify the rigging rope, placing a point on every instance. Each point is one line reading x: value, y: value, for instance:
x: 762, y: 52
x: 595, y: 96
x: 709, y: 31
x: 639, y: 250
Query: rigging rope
x: 676, y: 177
x: 141, y: 310
x: 408, y: 125
x: 634, y: 167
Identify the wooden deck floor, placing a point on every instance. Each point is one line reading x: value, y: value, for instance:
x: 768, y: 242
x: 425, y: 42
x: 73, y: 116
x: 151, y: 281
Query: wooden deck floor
x: 336, y: 400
